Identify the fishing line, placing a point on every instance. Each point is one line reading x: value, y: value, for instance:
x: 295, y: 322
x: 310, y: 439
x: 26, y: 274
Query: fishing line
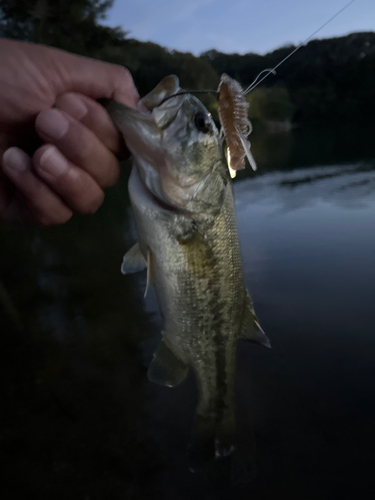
x: 189, y: 92
x: 268, y: 70
x: 257, y: 82
x: 273, y: 70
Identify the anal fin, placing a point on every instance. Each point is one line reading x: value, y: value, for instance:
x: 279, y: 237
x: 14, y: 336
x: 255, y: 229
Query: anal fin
x: 166, y: 368
x: 251, y: 329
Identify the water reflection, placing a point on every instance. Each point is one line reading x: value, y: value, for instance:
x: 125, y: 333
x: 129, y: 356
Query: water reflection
x: 303, y: 147
x: 342, y: 185
x: 79, y: 418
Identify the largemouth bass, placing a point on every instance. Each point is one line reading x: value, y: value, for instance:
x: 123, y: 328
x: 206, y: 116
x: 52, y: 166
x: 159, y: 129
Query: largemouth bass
x: 182, y: 197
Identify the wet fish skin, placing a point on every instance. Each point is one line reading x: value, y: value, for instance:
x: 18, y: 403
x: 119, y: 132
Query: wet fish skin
x: 182, y: 198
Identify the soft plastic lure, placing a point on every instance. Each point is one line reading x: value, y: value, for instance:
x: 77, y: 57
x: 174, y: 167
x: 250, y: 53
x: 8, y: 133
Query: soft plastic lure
x: 235, y: 124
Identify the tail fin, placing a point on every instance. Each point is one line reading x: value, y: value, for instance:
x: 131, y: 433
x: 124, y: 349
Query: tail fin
x: 214, y: 451
x: 202, y: 445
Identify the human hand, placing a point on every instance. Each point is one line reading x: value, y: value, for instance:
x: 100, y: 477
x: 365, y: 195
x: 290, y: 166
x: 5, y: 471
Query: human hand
x: 48, y: 108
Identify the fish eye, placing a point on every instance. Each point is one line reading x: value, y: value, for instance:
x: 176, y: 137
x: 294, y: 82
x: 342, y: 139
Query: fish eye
x: 202, y: 122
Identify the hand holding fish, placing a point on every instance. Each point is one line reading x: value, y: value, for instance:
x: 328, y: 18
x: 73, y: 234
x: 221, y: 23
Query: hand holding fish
x: 48, y: 109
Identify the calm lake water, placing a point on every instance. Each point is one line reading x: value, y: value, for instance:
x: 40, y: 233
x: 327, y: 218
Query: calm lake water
x: 80, y: 420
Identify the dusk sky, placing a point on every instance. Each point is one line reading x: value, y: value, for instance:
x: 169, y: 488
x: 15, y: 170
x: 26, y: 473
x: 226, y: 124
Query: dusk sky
x: 237, y: 25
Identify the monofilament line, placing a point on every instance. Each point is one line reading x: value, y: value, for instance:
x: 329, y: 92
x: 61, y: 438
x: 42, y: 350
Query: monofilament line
x: 255, y: 83
x: 188, y: 92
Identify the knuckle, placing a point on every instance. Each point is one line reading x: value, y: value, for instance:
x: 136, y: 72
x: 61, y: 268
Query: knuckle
x: 83, y: 146
x: 64, y: 218
x: 111, y: 177
x: 55, y: 219
x: 93, y: 205
x: 84, y: 193
x: 124, y: 87
x: 78, y: 184
x: 124, y: 74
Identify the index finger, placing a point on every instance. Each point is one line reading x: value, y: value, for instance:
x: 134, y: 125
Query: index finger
x: 48, y: 72
x: 96, y: 79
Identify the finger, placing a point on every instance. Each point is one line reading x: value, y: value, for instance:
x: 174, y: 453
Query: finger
x: 94, y: 117
x: 98, y: 79
x: 46, y: 206
x: 79, y: 145
x: 75, y: 186
x: 48, y: 72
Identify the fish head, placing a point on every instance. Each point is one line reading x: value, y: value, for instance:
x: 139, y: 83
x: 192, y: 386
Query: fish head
x: 177, y: 149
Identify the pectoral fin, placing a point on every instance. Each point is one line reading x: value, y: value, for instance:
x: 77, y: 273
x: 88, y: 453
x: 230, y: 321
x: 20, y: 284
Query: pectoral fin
x: 134, y: 261
x: 251, y: 329
x: 166, y: 368
x: 149, y: 272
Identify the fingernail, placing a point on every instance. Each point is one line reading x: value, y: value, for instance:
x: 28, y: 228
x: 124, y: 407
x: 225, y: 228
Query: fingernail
x: 53, y: 162
x: 53, y: 123
x: 75, y: 106
x: 16, y: 159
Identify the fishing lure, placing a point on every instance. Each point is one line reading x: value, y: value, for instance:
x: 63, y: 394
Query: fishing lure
x: 236, y: 126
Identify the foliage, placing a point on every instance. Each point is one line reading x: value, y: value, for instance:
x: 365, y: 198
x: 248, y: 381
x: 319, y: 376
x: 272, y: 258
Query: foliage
x: 330, y: 79
x: 270, y: 104
x: 73, y: 26
x: 149, y: 63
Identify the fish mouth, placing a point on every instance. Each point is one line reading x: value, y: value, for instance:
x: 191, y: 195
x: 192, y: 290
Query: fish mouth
x: 143, y: 137
x: 139, y: 129
x: 157, y: 135
x: 142, y: 128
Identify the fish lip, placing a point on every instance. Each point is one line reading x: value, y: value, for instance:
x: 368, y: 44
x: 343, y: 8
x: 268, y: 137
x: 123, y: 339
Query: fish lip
x: 138, y: 115
x: 141, y: 134
x: 121, y: 114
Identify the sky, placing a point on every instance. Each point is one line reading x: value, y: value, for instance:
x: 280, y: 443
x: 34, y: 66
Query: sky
x: 237, y: 25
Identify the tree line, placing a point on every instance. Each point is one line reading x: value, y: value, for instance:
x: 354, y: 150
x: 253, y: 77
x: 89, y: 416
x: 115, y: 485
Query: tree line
x: 330, y: 79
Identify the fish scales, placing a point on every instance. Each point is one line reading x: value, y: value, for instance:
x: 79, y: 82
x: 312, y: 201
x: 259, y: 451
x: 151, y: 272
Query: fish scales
x: 201, y: 298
